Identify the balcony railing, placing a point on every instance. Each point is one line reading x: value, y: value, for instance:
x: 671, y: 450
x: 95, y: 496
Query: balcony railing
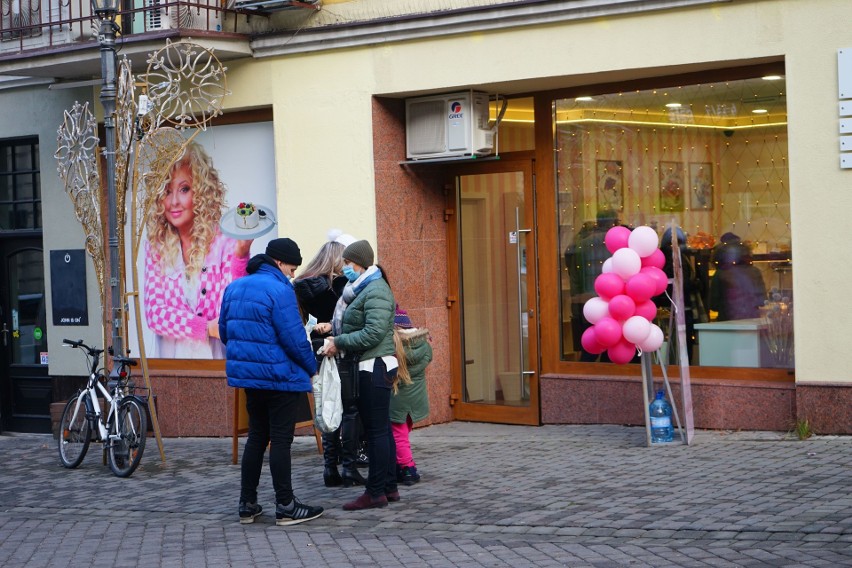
x: 45, y: 24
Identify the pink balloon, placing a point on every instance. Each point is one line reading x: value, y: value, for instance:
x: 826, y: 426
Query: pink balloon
x: 647, y: 310
x: 616, y: 238
x: 641, y: 287
x: 590, y: 344
x: 626, y: 263
x: 643, y: 240
x: 622, y: 307
x: 653, y: 341
x: 622, y: 352
x: 607, y: 331
x: 609, y: 285
x: 661, y: 281
x: 594, y: 309
x: 636, y: 329
x: 657, y: 258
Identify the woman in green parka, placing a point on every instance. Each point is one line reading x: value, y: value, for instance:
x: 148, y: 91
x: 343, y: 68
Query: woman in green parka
x: 362, y: 324
x: 410, y: 402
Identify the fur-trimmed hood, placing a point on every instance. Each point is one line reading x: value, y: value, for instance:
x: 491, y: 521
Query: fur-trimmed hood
x: 410, y: 335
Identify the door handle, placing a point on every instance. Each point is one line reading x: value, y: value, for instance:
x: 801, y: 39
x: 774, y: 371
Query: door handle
x: 5, y: 332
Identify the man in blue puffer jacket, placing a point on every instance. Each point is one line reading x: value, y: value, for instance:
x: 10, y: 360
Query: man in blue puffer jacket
x: 268, y: 354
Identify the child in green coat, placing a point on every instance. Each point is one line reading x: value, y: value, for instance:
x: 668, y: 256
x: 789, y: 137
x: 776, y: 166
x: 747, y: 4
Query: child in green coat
x: 410, y: 402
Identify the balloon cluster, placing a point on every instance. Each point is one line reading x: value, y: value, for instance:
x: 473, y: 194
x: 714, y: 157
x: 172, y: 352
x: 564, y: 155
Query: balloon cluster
x: 622, y: 313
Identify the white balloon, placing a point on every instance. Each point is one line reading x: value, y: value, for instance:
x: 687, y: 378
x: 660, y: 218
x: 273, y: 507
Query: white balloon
x: 653, y: 341
x: 626, y: 263
x: 643, y: 240
x: 636, y: 329
x: 594, y: 309
x: 607, y: 266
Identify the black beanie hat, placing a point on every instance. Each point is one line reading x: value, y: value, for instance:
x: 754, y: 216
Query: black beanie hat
x: 360, y: 252
x: 284, y: 250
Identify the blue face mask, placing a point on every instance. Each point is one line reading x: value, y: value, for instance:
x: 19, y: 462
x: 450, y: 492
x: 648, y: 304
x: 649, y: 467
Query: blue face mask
x: 350, y: 273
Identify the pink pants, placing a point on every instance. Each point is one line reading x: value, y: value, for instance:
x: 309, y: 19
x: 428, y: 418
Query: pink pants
x: 401, y: 430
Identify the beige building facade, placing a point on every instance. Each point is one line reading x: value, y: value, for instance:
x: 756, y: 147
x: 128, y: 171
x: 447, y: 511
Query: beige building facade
x: 477, y: 249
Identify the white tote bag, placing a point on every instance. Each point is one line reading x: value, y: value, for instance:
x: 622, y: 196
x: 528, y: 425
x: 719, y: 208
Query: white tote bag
x: 328, y: 406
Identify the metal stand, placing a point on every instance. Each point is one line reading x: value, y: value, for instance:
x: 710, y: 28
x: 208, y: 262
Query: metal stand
x: 676, y: 338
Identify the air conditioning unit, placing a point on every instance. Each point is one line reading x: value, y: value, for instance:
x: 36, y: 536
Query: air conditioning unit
x: 157, y: 17
x: 447, y: 126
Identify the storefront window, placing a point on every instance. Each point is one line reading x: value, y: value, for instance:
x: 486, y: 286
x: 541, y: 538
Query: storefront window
x: 710, y: 158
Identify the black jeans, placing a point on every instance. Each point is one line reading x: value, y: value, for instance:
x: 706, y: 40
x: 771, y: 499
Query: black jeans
x: 374, y: 408
x: 272, y: 416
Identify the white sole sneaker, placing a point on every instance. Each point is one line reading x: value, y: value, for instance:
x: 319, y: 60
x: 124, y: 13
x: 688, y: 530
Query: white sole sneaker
x: 286, y: 521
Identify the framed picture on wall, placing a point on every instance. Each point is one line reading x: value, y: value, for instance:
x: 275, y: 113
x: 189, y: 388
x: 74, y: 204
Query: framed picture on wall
x: 701, y: 186
x: 672, y: 184
x: 610, y: 188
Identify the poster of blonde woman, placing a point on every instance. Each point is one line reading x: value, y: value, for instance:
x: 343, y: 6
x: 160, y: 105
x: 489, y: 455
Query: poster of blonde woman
x: 215, y: 209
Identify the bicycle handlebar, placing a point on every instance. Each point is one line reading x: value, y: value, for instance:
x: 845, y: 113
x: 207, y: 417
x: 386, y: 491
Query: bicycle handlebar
x: 123, y: 361
x: 79, y: 343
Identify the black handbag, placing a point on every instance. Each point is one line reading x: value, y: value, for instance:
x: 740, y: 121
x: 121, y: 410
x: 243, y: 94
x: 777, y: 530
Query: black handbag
x: 347, y: 368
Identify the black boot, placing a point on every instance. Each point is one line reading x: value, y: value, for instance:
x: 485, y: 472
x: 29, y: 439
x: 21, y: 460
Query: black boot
x: 331, y: 477
x: 350, y: 434
x: 351, y: 476
x: 331, y: 456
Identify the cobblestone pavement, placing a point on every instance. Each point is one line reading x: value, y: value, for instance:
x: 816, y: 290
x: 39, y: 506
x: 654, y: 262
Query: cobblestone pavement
x: 491, y: 495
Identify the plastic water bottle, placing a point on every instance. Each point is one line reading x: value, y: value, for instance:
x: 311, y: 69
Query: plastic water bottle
x: 661, y: 419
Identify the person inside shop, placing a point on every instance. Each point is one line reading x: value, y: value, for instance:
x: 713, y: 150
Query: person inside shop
x: 584, y: 260
x: 363, y: 324
x: 737, y: 290
x: 268, y: 355
x: 318, y: 289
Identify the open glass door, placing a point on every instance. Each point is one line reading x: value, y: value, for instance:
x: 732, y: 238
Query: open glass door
x: 492, y: 251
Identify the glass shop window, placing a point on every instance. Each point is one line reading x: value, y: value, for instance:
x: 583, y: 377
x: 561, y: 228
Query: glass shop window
x: 712, y: 158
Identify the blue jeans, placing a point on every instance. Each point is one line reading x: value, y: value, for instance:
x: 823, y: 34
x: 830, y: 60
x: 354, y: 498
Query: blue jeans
x: 374, y: 408
x: 271, y: 416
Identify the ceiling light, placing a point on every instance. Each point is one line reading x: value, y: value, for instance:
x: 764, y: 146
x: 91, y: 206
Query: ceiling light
x: 771, y: 77
x: 760, y: 111
x: 583, y: 99
x: 673, y: 105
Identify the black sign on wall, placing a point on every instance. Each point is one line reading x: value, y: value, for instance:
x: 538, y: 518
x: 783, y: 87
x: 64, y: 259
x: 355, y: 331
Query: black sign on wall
x: 68, y: 287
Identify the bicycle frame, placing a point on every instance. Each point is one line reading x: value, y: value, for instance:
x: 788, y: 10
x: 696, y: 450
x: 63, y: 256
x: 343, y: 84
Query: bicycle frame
x: 93, y: 386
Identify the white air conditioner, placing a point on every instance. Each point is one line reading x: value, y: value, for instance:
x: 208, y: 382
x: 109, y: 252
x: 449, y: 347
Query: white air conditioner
x: 154, y: 18
x: 446, y: 126
x: 157, y: 17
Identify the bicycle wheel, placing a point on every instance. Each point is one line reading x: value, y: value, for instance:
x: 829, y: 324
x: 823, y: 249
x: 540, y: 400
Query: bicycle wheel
x: 125, y: 450
x: 74, y: 435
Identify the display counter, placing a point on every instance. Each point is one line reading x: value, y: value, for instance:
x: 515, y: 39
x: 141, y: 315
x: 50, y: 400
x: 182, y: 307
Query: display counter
x: 734, y: 343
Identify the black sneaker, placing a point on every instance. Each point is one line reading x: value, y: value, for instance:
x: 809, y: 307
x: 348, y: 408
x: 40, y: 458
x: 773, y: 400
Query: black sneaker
x: 408, y: 476
x: 294, y: 513
x: 248, y: 511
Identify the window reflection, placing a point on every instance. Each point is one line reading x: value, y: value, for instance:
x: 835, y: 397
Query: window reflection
x: 699, y: 156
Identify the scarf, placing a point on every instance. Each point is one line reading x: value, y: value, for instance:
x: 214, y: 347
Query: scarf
x: 350, y: 291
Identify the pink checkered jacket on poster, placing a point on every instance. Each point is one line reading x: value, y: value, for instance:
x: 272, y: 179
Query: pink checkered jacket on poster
x: 166, y: 309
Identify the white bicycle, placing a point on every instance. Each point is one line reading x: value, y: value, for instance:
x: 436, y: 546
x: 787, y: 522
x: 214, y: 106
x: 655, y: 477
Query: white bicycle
x: 123, y: 431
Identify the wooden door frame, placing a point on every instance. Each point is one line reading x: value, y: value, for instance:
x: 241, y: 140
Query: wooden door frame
x: 531, y: 414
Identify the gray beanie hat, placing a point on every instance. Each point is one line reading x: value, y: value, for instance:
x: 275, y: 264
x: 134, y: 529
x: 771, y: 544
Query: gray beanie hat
x: 360, y: 252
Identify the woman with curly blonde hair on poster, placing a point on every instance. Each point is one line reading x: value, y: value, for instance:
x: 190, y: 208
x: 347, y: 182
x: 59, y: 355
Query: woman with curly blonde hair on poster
x: 188, y: 261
